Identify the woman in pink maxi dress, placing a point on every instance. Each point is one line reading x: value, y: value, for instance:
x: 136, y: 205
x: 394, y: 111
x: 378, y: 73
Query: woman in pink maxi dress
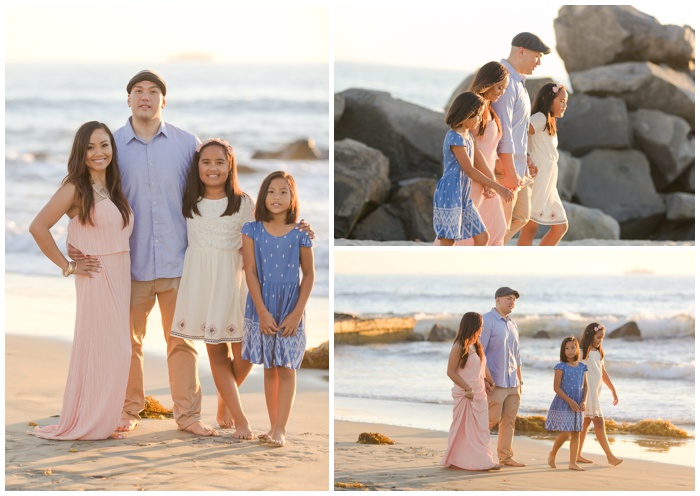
x: 101, y: 352
x: 469, y: 443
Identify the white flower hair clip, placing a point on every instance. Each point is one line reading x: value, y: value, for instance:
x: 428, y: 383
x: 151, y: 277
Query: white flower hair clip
x: 598, y: 327
x: 557, y: 87
x: 220, y: 141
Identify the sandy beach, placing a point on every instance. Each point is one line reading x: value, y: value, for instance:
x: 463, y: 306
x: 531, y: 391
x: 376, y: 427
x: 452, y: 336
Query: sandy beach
x: 413, y: 463
x: 156, y: 456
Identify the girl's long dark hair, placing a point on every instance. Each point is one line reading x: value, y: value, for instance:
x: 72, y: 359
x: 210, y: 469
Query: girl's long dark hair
x: 194, y: 188
x: 467, y: 335
x: 587, y: 339
x: 562, y: 350
x: 543, y: 103
x: 262, y: 214
x: 490, y: 74
x: 465, y: 106
x: 79, y: 175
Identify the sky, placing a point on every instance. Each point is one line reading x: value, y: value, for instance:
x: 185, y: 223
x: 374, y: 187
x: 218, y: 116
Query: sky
x: 234, y: 31
x: 456, y: 34
x: 536, y: 261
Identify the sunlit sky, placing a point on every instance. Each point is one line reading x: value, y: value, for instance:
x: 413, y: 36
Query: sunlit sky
x: 577, y: 261
x: 456, y: 34
x: 264, y: 31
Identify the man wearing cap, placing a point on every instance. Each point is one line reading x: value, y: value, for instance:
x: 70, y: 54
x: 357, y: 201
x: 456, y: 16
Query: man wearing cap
x: 154, y: 158
x: 502, y: 349
x: 513, y: 109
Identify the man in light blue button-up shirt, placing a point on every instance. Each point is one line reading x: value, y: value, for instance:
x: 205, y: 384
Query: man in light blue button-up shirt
x: 502, y: 350
x: 513, y: 110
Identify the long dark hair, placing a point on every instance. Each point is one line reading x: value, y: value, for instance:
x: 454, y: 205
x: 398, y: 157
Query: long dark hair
x: 194, y: 188
x: 587, y: 339
x: 562, y: 350
x: 262, y: 214
x: 490, y: 74
x: 467, y: 335
x: 543, y: 103
x: 465, y: 106
x: 79, y: 175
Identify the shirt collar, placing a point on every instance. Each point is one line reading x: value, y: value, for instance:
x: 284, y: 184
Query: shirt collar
x: 498, y: 315
x: 129, y: 133
x: 515, y: 74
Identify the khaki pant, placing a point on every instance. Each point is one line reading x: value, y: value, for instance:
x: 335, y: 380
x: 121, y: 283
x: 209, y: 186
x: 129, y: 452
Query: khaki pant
x: 503, y: 408
x: 518, y: 211
x: 181, y: 353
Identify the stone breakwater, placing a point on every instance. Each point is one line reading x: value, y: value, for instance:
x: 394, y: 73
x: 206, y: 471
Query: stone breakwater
x: 626, y: 143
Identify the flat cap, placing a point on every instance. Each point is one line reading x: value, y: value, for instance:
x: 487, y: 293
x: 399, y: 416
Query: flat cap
x: 147, y: 76
x: 531, y: 42
x: 506, y: 291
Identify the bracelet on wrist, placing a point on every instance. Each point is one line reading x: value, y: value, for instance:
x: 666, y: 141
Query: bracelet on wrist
x: 71, y: 268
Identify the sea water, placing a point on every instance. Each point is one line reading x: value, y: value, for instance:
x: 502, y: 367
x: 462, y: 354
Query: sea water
x: 406, y: 383
x: 254, y: 107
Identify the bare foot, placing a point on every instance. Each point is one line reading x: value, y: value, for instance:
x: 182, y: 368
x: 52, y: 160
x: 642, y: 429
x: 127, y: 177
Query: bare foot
x: 223, y: 416
x: 243, y: 432
x: 116, y: 435
x: 265, y: 436
x: 126, y: 425
x: 614, y: 461
x: 550, y: 460
x: 575, y: 467
x: 512, y: 463
x: 581, y: 459
x: 200, y: 429
x: 278, y: 438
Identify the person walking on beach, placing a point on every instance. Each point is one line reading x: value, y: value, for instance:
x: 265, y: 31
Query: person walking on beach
x: 566, y: 411
x: 513, y: 110
x: 468, y: 444
x: 274, y: 253
x: 100, y: 224
x: 502, y: 350
x: 154, y: 159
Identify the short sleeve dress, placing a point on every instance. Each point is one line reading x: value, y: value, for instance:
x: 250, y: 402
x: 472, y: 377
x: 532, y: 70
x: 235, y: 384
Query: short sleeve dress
x: 560, y: 416
x: 595, y: 384
x: 277, y: 259
x: 213, y: 290
x: 546, y: 206
x: 454, y: 214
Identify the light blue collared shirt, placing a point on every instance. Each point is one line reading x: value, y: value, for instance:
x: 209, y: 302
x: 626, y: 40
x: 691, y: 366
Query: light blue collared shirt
x: 502, y: 349
x: 513, y: 109
x: 153, y: 179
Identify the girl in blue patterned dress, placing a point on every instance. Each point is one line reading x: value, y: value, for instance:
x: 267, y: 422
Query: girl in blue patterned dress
x: 454, y: 215
x: 566, y: 411
x: 273, y: 328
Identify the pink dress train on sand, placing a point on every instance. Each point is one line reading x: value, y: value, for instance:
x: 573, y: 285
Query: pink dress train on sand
x: 101, y: 354
x: 469, y: 443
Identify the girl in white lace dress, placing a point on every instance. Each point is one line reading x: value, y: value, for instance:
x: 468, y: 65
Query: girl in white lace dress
x: 212, y: 293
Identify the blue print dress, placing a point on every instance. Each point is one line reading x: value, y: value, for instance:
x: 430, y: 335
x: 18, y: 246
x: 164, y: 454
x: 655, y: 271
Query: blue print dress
x: 277, y: 262
x: 454, y: 215
x: 560, y: 416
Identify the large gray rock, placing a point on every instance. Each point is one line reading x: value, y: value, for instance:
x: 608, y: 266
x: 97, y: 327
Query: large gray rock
x: 671, y: 230
x: 589, y: 223
x: 619, y: 183
x: 594, y: 35
x: 338, y: 108
x: 569, y: 169
x: 680, y: 206
x: 380, y: 225
x: 361, y: 183
x: 667, y: 142
x: 685, y: 182
x: 641, y: 85
x: 591, y: 122
x: 409, y: 135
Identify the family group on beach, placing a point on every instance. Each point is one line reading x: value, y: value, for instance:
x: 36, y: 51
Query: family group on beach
x: 167, y: 221
x: 485, y: 366
x: 500, y: 156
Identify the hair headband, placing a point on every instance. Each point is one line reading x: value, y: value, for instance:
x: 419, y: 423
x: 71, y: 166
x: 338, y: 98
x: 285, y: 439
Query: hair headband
x: 219, y: 141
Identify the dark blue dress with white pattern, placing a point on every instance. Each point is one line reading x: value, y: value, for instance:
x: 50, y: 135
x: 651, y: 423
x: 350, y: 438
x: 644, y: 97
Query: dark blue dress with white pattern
x: 454, y: 215
x: 560, y: 416
x: 277, y: 262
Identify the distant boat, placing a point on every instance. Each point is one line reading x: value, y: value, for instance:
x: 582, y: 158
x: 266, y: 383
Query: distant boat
x: 191, y: 57
x: 639, y: 271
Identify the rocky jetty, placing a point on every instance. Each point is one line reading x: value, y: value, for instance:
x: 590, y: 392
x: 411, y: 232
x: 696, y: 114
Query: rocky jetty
x: 350, y: 329
x: 626, y: 143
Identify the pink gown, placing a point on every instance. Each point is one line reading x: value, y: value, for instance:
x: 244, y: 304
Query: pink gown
x: 101, y: 353
x: 469, y: 444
